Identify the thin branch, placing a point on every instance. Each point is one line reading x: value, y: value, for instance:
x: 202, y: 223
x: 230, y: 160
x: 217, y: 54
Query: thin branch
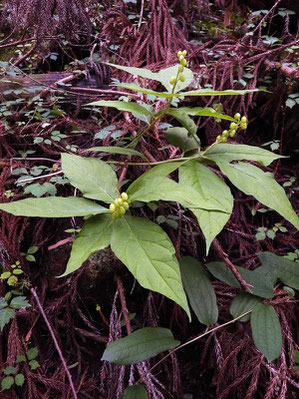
x: 191, y: 342
x: 55, y: 343
x: 231, y: 267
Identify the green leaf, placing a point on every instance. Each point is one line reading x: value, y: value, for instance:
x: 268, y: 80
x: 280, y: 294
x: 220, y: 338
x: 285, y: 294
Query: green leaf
x: 148, y: 253
x: 93, y: 177
x: 207, y: 111
x: 38, y: 190
x: 140, y: 345
x: 199, y: 290
x: 3, y: 303
x: 266, y: 331
x: 242, y: 303
x: 166, y: 74
x: 7, y: 383
x: 34, y: 365
x: 9, y: 370
x: 21, y: 358
x: 94, y: 236
x: 32, y: 250
x: 30, y: 258
x: 53, y: 207
x: 163, y: 76
x: 139, y: 89
x: 135, y: 392
x: 19, y: 302
x: 240, y: 152
x: 5, y: 275
x: 262, y: 280
x: 161, y: 170
x: 286, y: 270
x: 19, y: 380
x: 253, y: 181
x: 212, y: 190
x: 124, y: 106
x: 178, y: 136
x: 32, y: 353
x: 296, y: 356
x: 6, y: 315
x: 209, y: 92
x: 118, y: 150
x: 184, y: 120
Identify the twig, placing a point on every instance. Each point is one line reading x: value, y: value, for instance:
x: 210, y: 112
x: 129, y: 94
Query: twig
x: 26, y: 55
x: 191, y: 342
x: 122, y: 298
x: 231, y: 267
x: 41, y: 177
x: 55, y: 343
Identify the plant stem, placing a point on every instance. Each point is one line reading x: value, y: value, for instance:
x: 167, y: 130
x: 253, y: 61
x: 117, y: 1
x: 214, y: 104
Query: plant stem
x: 191, y: 342
x: 55, y: 343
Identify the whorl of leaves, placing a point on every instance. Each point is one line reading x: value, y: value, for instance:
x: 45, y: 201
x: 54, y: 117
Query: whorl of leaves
x: 47, y: 17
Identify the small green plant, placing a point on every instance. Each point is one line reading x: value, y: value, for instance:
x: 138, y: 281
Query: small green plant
x: 12, y: 378
x: 12, y: 277
x: 30, y: 358
x: 7, y: 311
x: 29, y: 255
x: 264, y: 232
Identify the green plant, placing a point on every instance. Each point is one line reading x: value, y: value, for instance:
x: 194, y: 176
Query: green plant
x: 30, y: 358
x: 29, y: 254
x: 138, y: 243
x: 12, y: 378
x: 7, y: 311
x: 12, y: 277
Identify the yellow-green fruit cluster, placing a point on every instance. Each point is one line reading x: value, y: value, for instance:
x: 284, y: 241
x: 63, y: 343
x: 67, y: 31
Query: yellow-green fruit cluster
x: 120, y: 206
x: 241, y: 122
x: 180, y: 77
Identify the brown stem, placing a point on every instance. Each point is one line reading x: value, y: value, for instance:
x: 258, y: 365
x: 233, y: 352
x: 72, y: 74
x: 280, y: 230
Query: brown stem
x: 122, y: 298
x: 55, y: 342
x: 231, y: 267
x: 26, y: 55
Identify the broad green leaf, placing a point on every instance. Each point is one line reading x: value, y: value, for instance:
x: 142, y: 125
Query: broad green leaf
x: 142, y: 72
x: 161, y: 170
x: 149, y: 254
x: 262, y: 280
x: 3, y: 303
x: 240, y: 152
x: 34, y: 364
x: 123, y: 106
x: 21, y: 358
x: 209, y: 92
x: 6, y: 315
x: 118, y: 150
x: 213, y: 191
x: 253, y: 181
x: 19, y: 380
x: 242, y: 303
x: 19, y: 302
x: 94, y: 236
x: 140, y: 345
x: 9, y: 370
x: 139, y: 89
x: 296, y: 356
x: 207, y: 111
x: 286, y: 270
x: 7, y: 383
x: 163, y: 76
x: 161, y: 188
x: 179, y: 137
x: 5, y: 275
x: 184, y: 120
x: 53, y: 207
x: 166, y: 74
x: 32, y: 353
x: 93, y: 177
x: 266, y: 331
x: 199, y: 290
x: 135, y: 392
